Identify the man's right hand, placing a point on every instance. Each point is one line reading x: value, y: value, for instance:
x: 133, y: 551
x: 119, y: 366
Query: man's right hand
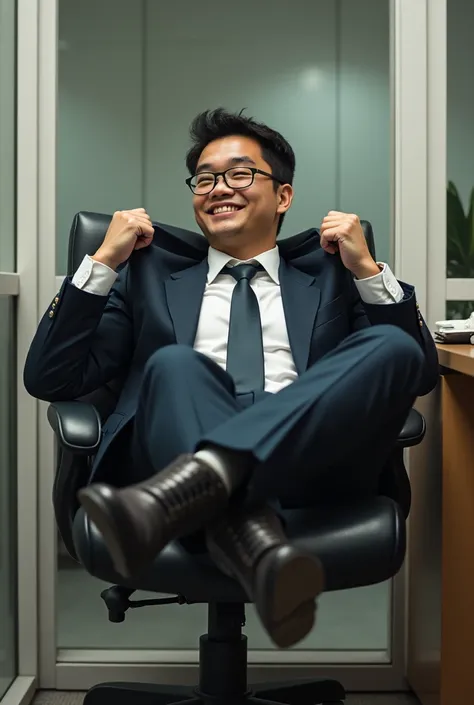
x: 128, y: 231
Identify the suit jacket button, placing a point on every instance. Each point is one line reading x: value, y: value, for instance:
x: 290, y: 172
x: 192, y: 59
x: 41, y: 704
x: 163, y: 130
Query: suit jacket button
x: 51, y: 314
x: 56, y: 300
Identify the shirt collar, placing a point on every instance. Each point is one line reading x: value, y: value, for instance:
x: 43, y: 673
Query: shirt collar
x: 270, y: 261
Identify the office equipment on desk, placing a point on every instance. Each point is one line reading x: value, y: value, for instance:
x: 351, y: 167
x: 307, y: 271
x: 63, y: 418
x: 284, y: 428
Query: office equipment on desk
x: 455, y: 331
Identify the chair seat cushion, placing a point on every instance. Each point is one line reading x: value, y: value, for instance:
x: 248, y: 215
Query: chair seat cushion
x: 359, y: 544
x: 413, y: 430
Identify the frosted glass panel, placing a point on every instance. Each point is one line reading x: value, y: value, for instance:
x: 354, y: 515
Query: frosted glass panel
x: 100, y: 109
x: 353, y: 620
x: 131, y: 79
x: 129, y: 87
x: 274, y: 66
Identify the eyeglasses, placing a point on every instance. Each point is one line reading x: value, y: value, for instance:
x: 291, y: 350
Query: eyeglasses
x: 237, y: 177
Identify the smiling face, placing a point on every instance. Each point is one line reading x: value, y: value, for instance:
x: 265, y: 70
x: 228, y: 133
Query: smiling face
x: 240, y: 222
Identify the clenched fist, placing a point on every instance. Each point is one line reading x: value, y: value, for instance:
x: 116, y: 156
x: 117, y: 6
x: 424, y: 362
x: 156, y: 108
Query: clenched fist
x: 342, y: 232
x: 128, y: 231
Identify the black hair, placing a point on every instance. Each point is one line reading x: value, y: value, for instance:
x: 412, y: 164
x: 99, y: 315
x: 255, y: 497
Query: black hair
x: 214, y: 124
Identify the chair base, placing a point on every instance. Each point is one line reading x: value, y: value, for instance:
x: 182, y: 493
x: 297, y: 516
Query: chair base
x: 317, y: 692
x: 222, y: 675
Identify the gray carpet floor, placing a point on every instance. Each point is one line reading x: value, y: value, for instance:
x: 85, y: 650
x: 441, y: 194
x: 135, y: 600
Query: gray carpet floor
x: 47, y: 697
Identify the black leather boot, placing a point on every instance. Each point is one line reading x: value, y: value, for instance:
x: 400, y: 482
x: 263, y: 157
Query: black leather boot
x: 281, y: 580
x: 138, y: 521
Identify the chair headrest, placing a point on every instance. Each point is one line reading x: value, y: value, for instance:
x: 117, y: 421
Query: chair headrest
x: 88, y: 231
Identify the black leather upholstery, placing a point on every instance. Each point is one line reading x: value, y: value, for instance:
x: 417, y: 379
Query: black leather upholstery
x: 413, y: 431
x: 86, y: 234
x: 360, y: 544
x: 77, y: 426
x: 88, y: 230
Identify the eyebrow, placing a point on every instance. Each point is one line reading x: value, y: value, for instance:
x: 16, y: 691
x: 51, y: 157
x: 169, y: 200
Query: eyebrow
x: 207, y: 166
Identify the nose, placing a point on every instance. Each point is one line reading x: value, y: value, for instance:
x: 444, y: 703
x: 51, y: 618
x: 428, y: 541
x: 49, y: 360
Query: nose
x: 221, y: 187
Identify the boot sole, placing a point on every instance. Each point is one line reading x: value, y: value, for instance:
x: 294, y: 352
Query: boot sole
x: 289, y: 600
x: 111, y: 523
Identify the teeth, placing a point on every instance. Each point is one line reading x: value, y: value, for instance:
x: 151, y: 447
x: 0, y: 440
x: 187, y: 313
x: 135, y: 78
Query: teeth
x: 224, y: 209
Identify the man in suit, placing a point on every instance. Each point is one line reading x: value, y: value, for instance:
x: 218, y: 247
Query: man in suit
x: 249, y: 382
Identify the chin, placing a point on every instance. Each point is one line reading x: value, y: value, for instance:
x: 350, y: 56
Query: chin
x: 227, y: 231
x: 219, y: 231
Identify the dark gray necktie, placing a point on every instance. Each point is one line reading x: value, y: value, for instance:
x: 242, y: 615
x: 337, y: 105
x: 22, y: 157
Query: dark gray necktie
x: 244, y: 345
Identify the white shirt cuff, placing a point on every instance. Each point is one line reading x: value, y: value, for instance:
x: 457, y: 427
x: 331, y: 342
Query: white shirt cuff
x: 94, y: 277
x: 382, y: 288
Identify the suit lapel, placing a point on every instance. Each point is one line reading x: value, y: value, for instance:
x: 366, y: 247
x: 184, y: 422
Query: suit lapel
x: 301, y: 300
x: 184, y: 292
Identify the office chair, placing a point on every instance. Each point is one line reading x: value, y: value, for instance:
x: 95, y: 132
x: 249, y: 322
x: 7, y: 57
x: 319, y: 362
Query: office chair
x: 359, y: 544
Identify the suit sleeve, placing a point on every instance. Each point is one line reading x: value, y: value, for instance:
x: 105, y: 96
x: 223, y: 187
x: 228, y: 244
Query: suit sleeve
x: 83, y: 341
x: 407, y: 316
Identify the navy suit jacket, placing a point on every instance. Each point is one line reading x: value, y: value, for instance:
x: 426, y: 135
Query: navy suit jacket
x: 84, y: 341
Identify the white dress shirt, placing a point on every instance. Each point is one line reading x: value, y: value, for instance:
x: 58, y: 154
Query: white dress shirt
x: 213, y: 326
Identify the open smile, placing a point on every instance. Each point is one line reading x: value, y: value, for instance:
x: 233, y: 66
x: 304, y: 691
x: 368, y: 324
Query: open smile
x: 224, y: 211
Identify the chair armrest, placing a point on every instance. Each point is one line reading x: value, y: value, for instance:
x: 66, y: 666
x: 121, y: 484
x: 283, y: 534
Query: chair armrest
x: 413, y: 430
x: 78, y: 432
x: 77, y: 426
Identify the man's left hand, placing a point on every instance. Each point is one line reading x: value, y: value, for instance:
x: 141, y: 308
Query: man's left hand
x: 342, y: 232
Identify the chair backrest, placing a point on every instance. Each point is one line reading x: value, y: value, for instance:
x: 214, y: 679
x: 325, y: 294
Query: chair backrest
x: 85, y: 237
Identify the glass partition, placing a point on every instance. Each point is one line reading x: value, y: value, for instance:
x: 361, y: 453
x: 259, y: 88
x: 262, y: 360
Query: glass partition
x: 460, y: 160
x: 130, y: 82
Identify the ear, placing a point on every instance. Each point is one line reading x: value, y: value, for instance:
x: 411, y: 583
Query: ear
x: 285, y: 198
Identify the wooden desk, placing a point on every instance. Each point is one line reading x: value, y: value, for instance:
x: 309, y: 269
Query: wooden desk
x: 455, y: 667
x: 459, y: 358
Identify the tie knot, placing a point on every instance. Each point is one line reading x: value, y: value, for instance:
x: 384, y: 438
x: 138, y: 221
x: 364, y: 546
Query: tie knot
x: 244, y: 271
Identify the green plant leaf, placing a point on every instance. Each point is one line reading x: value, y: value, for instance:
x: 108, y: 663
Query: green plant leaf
x: 452, y: 189
x: 458, y: 238
x: 470, y: 224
